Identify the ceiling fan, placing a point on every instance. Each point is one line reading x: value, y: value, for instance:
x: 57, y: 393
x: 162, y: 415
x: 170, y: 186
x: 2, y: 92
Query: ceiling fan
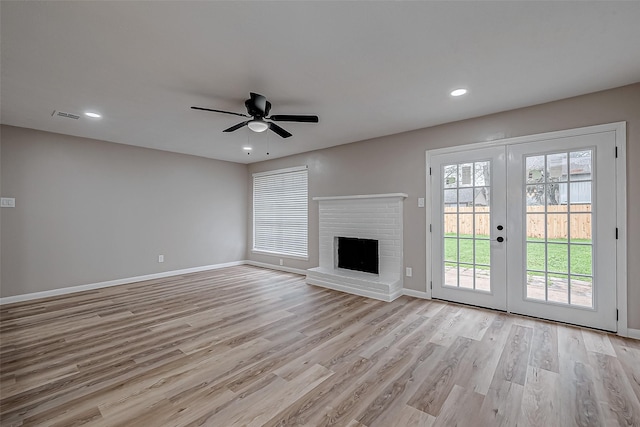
x: 258, y: 110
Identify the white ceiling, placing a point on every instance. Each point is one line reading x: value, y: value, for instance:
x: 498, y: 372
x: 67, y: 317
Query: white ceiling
x: 367, y: 69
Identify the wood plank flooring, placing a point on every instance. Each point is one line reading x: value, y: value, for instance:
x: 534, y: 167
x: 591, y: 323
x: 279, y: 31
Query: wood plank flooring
x: 245, y: 346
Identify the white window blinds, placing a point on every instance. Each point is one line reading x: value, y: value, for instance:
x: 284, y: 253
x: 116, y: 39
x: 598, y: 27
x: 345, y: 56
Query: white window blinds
x: 280, y: 205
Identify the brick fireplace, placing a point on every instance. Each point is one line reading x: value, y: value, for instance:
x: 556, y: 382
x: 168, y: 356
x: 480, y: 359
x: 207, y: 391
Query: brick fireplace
x: 374, y: 217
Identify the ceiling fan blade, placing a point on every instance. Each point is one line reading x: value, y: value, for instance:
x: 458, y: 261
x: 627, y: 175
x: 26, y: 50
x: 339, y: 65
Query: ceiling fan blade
x: 277, y: 129
x: 236, y: 127
x: 220, y: 111
x: 294, y: 118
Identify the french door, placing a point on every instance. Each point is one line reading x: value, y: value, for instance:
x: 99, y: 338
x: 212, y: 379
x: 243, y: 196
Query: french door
x: 528, y: 228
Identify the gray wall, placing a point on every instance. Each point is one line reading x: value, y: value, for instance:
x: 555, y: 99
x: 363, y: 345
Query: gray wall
x: 89, y: 211
x: 397, y: 164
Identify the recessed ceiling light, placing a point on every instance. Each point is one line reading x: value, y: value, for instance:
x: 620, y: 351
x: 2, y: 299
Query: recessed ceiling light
x: 247, y: 148
x: 458, y: 92
x: 92, y: 115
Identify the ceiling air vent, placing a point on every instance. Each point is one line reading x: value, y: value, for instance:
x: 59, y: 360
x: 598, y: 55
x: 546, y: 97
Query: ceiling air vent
x: 63, y: 114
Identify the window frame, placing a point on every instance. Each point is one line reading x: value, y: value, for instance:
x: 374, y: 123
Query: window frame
x: 282, y: 253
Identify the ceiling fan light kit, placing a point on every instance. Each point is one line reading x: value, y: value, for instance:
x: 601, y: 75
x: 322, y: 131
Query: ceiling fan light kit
x: 258, y: 110
x: 258, y: 125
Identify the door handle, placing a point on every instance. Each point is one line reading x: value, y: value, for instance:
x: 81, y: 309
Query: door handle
x: 499, y: 239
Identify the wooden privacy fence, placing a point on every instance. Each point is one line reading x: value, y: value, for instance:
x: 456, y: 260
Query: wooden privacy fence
x: 558, y: 222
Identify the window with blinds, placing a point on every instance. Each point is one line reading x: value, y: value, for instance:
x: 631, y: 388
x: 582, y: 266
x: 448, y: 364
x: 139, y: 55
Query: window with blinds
x: 280, y: 206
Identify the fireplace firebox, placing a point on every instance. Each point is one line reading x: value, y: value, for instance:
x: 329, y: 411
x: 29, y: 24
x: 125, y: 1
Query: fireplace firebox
x: 357, y: 254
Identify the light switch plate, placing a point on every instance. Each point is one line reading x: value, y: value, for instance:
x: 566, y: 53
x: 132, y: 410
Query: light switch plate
x: 8, y: 202
x: 421, y: 202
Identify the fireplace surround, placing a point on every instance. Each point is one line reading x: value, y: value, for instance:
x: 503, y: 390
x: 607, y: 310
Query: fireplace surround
x: 361, y: 217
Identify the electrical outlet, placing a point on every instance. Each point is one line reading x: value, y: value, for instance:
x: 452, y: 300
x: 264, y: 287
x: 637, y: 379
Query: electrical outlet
x: 160, y: 258
x: 8, y: 202
x: 408, y: 271
x: 281, y: 261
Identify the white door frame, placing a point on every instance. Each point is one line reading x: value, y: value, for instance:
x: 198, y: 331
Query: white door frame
x: 620, y: 129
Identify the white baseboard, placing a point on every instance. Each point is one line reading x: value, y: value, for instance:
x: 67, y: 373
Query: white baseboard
x: 276, y: 267
x: 633, y: 333
x: 91, y: 286
x: 416, y: 294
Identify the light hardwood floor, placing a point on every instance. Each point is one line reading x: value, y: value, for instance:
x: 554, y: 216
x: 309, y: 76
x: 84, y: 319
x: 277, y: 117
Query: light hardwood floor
x: 250, y: 346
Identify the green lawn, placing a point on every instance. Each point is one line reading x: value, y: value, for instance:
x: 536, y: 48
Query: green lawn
x: 557, y: 254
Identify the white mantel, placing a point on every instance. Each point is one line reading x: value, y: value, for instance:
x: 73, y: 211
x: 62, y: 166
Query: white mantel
x: 369, y: 216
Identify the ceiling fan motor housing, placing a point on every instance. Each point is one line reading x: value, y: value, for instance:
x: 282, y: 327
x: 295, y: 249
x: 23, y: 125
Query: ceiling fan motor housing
x: 257, y: 106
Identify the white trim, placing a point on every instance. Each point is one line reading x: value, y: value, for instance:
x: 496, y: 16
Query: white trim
x: 621, y: 199
x: 276, y: 267
x: 633, y: 333
x: 428, y: 208
x: 621, y: 220
x: 416, y: 294
x: 363, y: 196
x: 127, y: 280
x: 279, y: 171
x: 606, y: 127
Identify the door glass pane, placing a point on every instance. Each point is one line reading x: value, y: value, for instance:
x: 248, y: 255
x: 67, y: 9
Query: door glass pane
x: 553, y: 195
x: 483, y: 254
x: 467, y: 225
x: 466, y: 276
x: 482, y: 171
x: 580, y: 165
x: 482, y: 226
x: 557, y: 258
x: 451, y: 274
x: 450, y: 223
x: 561, y: 196
x: 466, y: 251
x: 582, y: 291
x: 536, y: 256
x: 465, y: 175
x: 465, y: 199
x: 450, y: 178
x: 450, y: 200
x: 536, y: 285
x: 581, y: 260
x: 535, y: 198
x: 558, y: 288
x: 580, y: 194
x: 481, y: 199
x: 580, y: 227
x: 535, y: 169
x: 556, y: 167
x: 451, y: 249
x: 558, y: 228
x: 483, y: 278
x: 535, y: 226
